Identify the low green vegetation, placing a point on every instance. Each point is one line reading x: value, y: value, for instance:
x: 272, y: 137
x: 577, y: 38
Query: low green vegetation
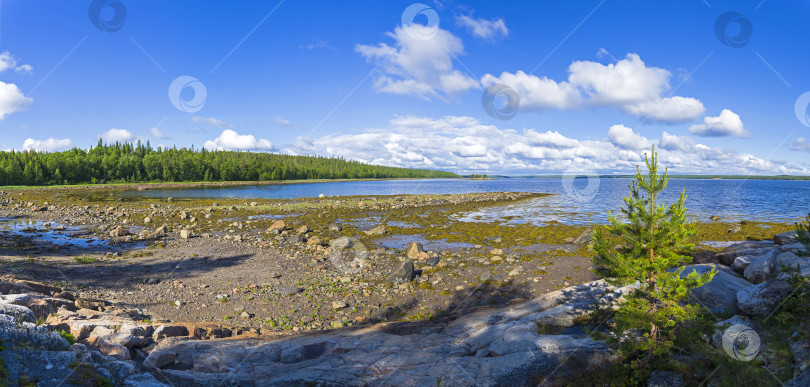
x: 85, y: 259
x: 67, y: 336
x: 127, y: 163
x: 86, y: 374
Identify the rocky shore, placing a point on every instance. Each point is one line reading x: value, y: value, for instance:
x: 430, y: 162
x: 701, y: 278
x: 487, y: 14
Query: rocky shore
x: 521, y: 344
x: 331, y: 291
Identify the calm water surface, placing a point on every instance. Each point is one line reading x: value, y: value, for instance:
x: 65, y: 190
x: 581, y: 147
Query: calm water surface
x: 580, y: 200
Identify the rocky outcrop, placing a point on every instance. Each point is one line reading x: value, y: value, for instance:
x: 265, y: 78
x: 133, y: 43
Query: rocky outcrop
x: 719, y: 295
x: 501, y: 347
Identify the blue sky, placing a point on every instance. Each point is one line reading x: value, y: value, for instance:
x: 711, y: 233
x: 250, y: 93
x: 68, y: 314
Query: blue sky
x: 596, y: 82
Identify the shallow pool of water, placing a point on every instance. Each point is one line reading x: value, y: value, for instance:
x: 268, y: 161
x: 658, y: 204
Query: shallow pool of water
x: 399, y: 241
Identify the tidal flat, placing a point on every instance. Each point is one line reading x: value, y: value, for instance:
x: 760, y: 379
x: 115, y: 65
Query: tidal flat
x: 334, y: 262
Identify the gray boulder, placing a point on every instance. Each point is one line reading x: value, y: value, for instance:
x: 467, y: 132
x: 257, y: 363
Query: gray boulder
x: 340, y: 243
x: 760, y: 268
x: 20, y: 313
x: 764, y: 298
x: 740, y: 264
x: 793, y: 262
x: 402, y: 274
x: 719, y: 295
x: 785, y: 238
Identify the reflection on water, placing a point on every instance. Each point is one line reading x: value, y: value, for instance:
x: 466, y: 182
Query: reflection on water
x: 48, y: 233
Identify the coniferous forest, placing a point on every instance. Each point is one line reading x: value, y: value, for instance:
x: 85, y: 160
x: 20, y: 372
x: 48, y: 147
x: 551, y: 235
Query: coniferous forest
x: 131, y: 163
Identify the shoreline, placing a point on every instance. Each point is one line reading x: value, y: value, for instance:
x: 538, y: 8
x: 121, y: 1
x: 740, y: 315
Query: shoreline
x: 199, y: 184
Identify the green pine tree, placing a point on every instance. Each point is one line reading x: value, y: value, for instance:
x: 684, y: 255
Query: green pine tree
x: 646, y: 248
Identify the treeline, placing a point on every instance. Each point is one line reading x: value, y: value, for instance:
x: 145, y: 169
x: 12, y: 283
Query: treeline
x: 478, y: 176
x: 131, y: 163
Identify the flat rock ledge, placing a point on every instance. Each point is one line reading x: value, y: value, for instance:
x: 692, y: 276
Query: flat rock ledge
x: 500, y: 347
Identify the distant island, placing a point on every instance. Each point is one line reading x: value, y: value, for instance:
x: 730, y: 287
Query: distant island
x: 139, y: 163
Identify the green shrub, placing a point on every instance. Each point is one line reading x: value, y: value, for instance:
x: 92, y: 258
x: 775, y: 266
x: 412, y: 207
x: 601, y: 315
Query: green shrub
x: 67, y: 336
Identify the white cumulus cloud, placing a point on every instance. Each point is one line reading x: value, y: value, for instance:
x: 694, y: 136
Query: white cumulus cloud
x: 231, y: 140
x: 625, y: 138
x: 463, y: 144
x: 726, y: 124
x: 628, y: 85
x: 116, y: 135
x: 12, y: 99
x: 423, y: 68
x: 48, y: 145
x: 484, y: 29
x: 156, y: 133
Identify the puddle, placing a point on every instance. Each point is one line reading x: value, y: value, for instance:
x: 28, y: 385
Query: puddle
x: 401, y: 242
x: 362, y: 223
x: 56, y: 235
x: 397, y: 223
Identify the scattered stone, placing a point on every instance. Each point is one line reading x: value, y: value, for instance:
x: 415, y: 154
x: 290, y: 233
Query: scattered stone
x: 185, y: 234
x: 376, y: 231
x: 335, y: 228
x: 289, y: 290
x: 90, y: 303
x: 147, y: 220
x: 302, y: 230
x: 341, y: 243
x: 119, y: 231
x: 403, y: 273
x: 413, y: 250
x: 293, y: 239
x: 433, y: 260
x: 314, y: 241
x: 339, y: 305
x: 277, y: 226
